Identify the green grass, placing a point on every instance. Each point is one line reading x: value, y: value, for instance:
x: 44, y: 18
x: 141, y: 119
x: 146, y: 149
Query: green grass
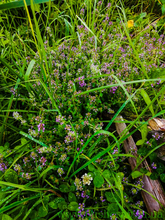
x: 64, y: 66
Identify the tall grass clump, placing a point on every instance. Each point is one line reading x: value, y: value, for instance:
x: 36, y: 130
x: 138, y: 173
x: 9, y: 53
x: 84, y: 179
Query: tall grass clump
x: 58, y: 157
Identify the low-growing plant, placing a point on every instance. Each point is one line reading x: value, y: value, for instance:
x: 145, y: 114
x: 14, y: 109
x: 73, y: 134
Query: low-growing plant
x: 58, y: 159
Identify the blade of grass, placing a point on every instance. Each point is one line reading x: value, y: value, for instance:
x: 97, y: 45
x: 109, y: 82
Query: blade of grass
x: 132, y: 45
x: 17, y: 203
x: 7, y: 114
x: 96, y: 157
x: 87, y: 27
x: 125, y: 93
x: 4, y: 62
x: 40, y: 41
x: 109, y: 124
x: 33, y: 139
x: 18, y: 4
x: 27, y: 74
x: 113, y: 85
x: 51, y: 97
x: 22, y: 187
x: 124, y: 137
x: 147, y: 101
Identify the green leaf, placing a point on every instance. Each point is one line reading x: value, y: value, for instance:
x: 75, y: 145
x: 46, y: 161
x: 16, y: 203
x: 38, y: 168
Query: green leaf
x: 72, y: 197
x: 143, y: 170
x: 143, y: 151
x: 112, y: 208
x: 162, y: 177
x: 147, y: 101
x: 73, y: 206
x: 91, y: 167
x: 11, y: 176
x: 1, y: 149
x: 6, y: 217
x: 109, y: 196
x: 64, y: 188
x: 62, y: 205
x: 53, y: 205
x: 144, y: 132
x: 148, y: 173
x: 33, y: 214
x: 160, y: 168
x: 143, y: 14
x: 116, y: 167
x: 153, y: 157
x: 119, y: 176
x: 6, y: 146
x: 140, y: 142
x: 46, y: 199
x: 163, y: 9
x: 98, y: 181
x: 37, y: 7
x: 43, y: 211
x: 106, y: 174
x: 154, y: 176
x: 136, y: 174
x: 24, y: 145
x: 59, y: 199
x: 24, y: 142
x: 65, y: 215
x: 73, y: 188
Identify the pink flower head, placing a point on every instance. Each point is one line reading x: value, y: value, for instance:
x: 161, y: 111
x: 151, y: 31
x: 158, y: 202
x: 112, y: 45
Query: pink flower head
x: 41, y: 126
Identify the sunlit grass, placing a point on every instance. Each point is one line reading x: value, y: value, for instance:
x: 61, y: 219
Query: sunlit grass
x: 64, y: 65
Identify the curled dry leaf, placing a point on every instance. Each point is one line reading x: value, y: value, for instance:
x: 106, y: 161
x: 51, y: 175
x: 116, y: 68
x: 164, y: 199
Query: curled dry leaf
x: 157, y: 124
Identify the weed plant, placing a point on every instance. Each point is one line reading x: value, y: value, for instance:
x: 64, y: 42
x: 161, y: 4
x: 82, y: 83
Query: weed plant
x: 58, y: 160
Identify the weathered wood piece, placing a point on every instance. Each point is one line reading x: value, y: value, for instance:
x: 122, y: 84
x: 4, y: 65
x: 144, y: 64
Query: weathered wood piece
x: 151, y: 186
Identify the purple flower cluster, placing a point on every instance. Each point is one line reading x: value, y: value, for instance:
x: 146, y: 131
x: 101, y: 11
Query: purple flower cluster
x: 82, y: 82
x: 81, y: 212
x: 43, y: 161
x: 139, y: 214
x: 102, y: 199
x: 26, y: 176
x: 157, y: 136
x: 113, y: 90
x: 41, y: 127
x: 84, y: 194
x: 154, y: 166
x: 113, y: 217
x: 134, y: 191
x: 3, y: 167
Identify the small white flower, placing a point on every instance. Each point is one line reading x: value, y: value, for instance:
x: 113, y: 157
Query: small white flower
x: 87, y: 179
x: 23, y: 121
x: 16, y: 115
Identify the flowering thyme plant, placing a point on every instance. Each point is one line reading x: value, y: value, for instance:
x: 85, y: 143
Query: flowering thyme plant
x: 72, y: 165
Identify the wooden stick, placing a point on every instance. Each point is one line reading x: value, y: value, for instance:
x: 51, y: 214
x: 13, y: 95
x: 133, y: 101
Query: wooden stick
x: 152, y: 186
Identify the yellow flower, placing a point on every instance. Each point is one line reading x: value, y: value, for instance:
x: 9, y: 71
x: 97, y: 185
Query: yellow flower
x: 130, y: 23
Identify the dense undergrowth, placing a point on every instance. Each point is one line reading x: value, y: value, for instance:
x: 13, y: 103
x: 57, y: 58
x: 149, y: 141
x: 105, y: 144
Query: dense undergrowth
x: 58, y: 158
